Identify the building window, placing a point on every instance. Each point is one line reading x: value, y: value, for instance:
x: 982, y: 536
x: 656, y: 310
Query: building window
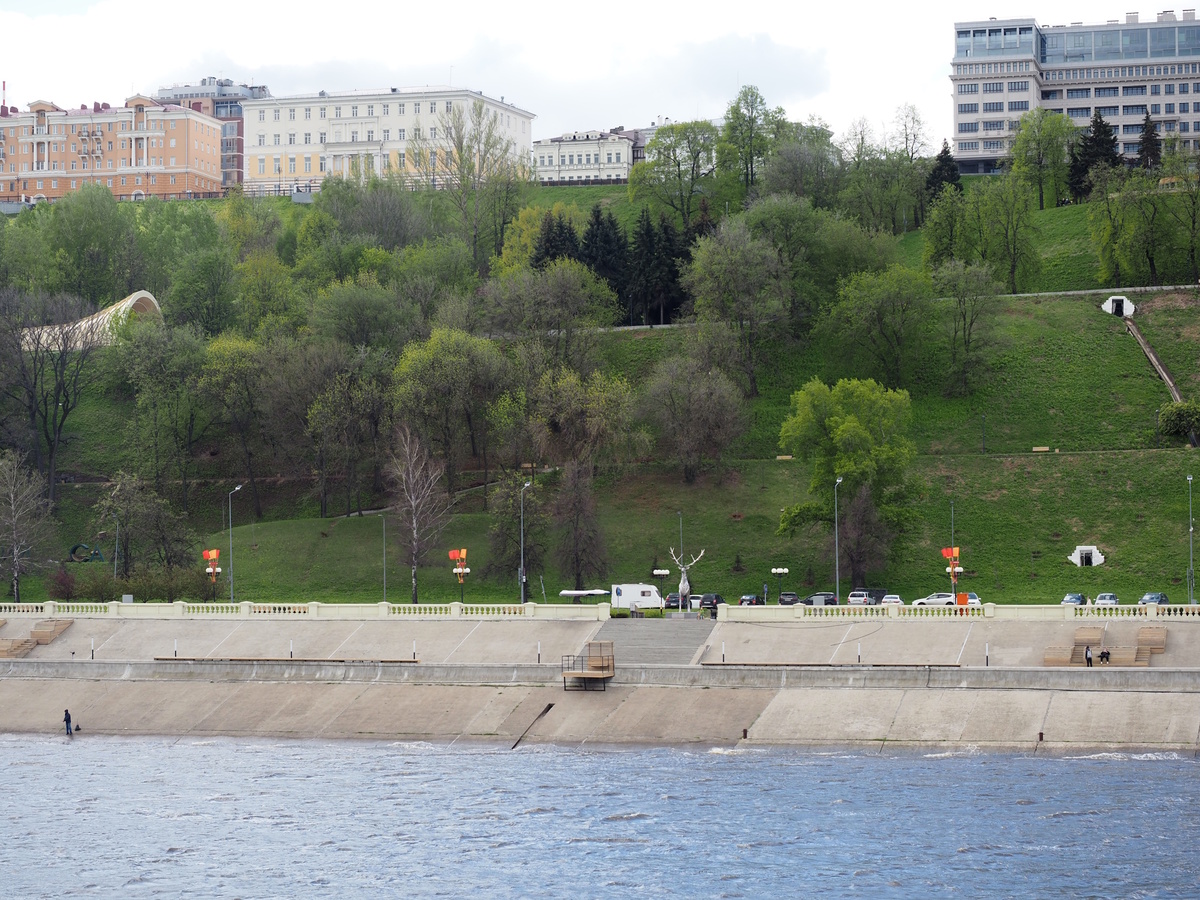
x: 322, y: 112
x: 387, y: 134
x: 337, y: 112
x: 1183, y: 108
x: 966, y: 127
x: 1079, y: 93
x: 308, y: 137
x: 385, y: 109
x: 291, y: 114
x: 1104, y: 111
x: 997, y: 106
x: 968, y: 89
x: 618, y: 157
x: 449, y: 106
x: 275, y: 140
x: 433, y: 159
x: 321, y: 137
x: 262, y: 166
x: 1080, y: 112
x: 275, y: 112
x: 968, y: 108
x: 307, y: 113
x: 432, y: 133
x: 1133, y: 90
x: 400, y: 159
x: 321, y: 167
x: 994, y: 87
x: 1155, y: 89
x: 1018, y: 86
x: 291, y: 165
x: 993, y: 126
x: 262, y: 115
x: 1169, y: 108
x: 399, y: 109
x: 399, y: 134
x: 1133, y: 110
x: 1154, y: 109
x: 354, y: 111
x: 307, y: 165
x: 433, y: 107
x: 354, y: 137
x: 291, y: 137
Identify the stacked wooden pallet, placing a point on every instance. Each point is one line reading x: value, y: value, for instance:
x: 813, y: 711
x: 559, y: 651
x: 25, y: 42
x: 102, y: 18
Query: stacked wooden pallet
x: 47, y: 630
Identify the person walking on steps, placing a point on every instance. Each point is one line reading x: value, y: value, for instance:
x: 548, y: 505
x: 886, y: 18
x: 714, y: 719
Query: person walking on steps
x: 1087, y: 654
x: 67, y: 721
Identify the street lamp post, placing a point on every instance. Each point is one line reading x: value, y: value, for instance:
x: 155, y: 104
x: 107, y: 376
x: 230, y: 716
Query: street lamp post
x: 117, y: 542
x: 837, y: 557
x: 951, y: 523
x: 527, y: 484
x: 383, y: 519
x: 680, y: 514
x: 780, y: 573
x: 1191, y: 528
x: 231, y: 493
x: 660, y: 574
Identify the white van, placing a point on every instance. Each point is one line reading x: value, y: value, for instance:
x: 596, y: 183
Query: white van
x: 636, y: 596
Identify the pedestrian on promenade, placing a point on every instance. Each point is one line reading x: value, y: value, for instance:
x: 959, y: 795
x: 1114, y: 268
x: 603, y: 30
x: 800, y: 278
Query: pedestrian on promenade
x: 1087, y: 654
x: 1104, y: 656
x: 67, y: 721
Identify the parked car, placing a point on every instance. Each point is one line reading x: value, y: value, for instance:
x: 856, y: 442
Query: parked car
x: 672, y: 600
x: 943, y: 598
x: 892, y: 600
x: 789, y: 598
x: 711, y: 601
x: 859, y: 597
x: 1077, y: 599
x: 1154, y: 597
x: 751, y: 600
x: 1107, y: 600
x: 938, y: 598
x: 694, y: 600
x: 821, y: 598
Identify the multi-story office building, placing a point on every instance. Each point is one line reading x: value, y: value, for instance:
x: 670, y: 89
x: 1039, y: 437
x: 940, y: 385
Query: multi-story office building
x: 221, y: 99
x: 587, y: 157
x: 1122, y: 70
x: 142, y: 149
x: 292, y: 143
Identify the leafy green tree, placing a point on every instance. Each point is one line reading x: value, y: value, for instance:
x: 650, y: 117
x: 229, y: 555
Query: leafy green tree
x: 886, y: 315
x: 509, y: 508
x: 1039, y: 152
x: 92, y: 237
x: 749, y: 134
x: 582, y: 552
x: 151, y: 532
x: 577, y: 419
x: 265, y: 292
x: 26, y: 525
x: 1146, y: 235
x: 736, y: 280
x: 970, y: 294
x: 1149, y: 154
x: 202, y: 291
x: 697, y: 410
x: 808, y: 164
x: 363, y: 313
x: 856, y: 431
x: 943, y: 173
x: 944, y: 227
x: 1183, y: 205
x: 442, y: 389
x: 680, y: 160
x: 1106, y: 220
x: 229, y: 381
x: 1006, y: 230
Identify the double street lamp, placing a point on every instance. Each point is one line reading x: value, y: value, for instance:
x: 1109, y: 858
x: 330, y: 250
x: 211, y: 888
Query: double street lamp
x: 231, y: 493
x: 780, y: 573
x: 837, y: 558
x: 1191, y: 529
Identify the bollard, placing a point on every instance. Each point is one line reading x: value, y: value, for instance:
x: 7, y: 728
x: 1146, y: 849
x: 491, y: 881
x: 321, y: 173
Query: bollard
x: 1040, y: 738
x: 986, y: 655
x: 414, y: 651
x: 290, y: 644
x: 177, y: 648
x: 722, y: 651
x: 539, y: 653
x: 860, y: 651
x: 93, y: 648
x: 743, y: 734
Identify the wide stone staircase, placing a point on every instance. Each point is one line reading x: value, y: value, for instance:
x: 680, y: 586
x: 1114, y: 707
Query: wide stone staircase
x: 43, y: 632
x: 655, y: 642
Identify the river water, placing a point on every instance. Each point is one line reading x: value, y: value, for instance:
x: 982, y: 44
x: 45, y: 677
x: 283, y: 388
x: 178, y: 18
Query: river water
x: 152, y: 817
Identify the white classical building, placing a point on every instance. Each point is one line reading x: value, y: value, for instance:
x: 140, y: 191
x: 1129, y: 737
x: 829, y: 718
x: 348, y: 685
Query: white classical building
x: 1003, y: 68
x: 292, y: 143
x: 587, y: 157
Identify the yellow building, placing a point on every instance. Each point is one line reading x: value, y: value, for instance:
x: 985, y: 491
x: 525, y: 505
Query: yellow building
x: 292, y: 143
x: 142, y: 149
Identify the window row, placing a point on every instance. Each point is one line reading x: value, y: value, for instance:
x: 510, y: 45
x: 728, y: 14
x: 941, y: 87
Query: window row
x: 385, y: 110
x: 579, y: 159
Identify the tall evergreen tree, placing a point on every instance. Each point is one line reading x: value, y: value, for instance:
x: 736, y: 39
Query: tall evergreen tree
x: 944, y: 171
x: 1096, y: 146
x: 605, y: 248
x: 556, y: 240
x: 1150, y: 148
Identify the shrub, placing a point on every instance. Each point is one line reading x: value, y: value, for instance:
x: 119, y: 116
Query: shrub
x: 1179, y: 418
x: 61, y: 585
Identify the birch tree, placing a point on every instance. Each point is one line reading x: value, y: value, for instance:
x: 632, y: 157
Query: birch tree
x: 25, y: 522
x: 422, y: 507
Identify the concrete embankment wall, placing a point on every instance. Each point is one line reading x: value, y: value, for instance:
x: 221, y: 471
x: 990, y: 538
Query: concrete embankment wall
x: 941, y: 681
x: 818, y: 707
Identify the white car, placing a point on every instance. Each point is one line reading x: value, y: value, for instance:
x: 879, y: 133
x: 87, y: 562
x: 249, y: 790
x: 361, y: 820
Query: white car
x: 892, y: 600
x: 858, y: 598
x: 1107, y: 600
x: 941, y: 598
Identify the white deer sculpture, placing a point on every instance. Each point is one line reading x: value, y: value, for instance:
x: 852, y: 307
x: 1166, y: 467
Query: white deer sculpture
x: 684, y: 587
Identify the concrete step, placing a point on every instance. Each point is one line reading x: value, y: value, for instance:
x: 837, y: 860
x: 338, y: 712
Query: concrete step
x: 651, y: 642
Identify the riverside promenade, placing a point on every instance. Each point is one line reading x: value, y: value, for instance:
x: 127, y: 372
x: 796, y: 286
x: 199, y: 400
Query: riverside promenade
x: 882, y: 677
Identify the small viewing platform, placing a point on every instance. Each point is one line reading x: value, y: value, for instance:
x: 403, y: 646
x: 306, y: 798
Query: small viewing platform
x: 594, y: 667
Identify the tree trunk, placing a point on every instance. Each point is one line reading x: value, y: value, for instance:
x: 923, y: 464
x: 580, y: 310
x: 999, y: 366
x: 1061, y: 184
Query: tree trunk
x: 414, y: 584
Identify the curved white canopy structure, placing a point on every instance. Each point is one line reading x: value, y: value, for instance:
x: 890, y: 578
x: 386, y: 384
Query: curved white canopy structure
x: 98, y: 328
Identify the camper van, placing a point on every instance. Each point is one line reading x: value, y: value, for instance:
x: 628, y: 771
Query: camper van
x: 636, y: 596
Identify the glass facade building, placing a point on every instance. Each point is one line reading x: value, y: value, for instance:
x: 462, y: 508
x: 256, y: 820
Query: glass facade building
x: 1005, y: 68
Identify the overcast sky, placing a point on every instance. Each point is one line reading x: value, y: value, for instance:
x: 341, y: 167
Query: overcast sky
x: 573, y: 66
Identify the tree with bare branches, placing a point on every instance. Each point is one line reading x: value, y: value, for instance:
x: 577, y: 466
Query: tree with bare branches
x: 422, y: 507
x: 46, y: 349
x: 581, y: 549
x: 25, y: 522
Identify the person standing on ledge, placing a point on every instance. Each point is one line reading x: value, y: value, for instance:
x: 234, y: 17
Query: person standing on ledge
x: 67, y: 719
x: 1087, y: 654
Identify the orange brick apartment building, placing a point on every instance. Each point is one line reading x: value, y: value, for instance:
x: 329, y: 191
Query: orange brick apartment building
x: 143, y: 149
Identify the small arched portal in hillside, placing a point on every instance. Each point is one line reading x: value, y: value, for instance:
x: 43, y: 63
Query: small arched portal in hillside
x: 1118, y: 306
x: 1087, y: 556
